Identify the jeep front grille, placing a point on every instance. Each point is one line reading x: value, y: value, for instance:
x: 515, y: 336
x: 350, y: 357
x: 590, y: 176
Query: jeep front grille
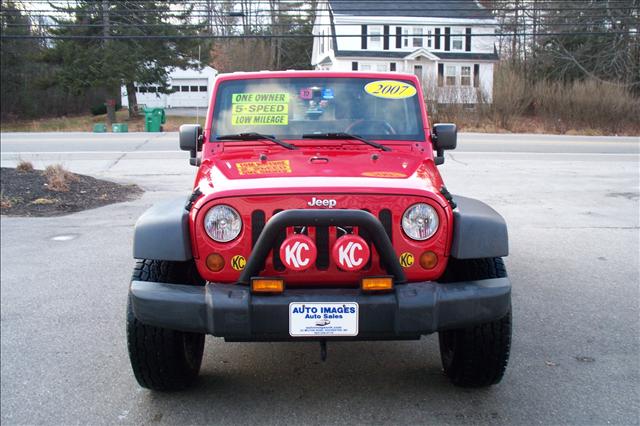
x: 322, y: 239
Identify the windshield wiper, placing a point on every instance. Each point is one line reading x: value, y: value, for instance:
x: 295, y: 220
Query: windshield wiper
x: 253, y: 136
x: 342, y: 135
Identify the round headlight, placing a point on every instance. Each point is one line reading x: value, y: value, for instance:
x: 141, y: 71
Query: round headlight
x: 222, y: 223
x: 420, y: 221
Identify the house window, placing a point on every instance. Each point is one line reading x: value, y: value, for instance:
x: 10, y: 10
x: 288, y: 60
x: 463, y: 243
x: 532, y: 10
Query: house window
x: 417, y: 37
x: 457, y: 40
x: 392, y: 66
x: 381, y: 67
x: 184, y: 88
x: 450, y: 75
x: 465, y: 76
x: 365, y: 67
x: 142, y: 89
x: 375, y: 38
x: 152, y: 89
x: 194, y: 88
x: 203, y: 88
x: 175, y: 88
x: 429, y: 39
x: 354, y: 66
x: 405, y: 37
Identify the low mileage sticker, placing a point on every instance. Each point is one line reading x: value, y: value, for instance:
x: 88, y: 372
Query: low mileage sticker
x: 266, y: 109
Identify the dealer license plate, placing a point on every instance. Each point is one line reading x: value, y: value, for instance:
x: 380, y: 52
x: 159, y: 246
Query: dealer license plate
x: 323, y: 319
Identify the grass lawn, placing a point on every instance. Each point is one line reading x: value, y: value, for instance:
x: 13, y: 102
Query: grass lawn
x: 84, y: 123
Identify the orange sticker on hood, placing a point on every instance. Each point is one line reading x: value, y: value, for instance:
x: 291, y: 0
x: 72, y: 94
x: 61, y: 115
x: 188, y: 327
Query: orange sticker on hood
x: 384, y: 174
x: 263, y: 167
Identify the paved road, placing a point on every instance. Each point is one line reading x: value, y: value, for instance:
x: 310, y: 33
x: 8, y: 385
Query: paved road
x: 573, y: 210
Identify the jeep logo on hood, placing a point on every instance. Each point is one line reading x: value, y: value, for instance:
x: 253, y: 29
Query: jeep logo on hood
x: 317, y: 202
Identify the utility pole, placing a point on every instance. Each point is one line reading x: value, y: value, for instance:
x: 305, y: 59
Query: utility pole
x: 106, y: 31
x: 514, y: 39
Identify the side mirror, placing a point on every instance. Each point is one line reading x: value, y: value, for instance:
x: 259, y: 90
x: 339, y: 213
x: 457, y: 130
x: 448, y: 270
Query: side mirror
x: 191, y: 140
x: 444, y: 136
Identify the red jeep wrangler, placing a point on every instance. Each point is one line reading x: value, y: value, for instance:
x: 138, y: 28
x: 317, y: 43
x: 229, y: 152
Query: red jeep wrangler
x: 318, y: 214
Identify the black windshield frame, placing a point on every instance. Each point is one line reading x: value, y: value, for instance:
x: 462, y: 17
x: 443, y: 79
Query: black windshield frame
x: 357, y: 106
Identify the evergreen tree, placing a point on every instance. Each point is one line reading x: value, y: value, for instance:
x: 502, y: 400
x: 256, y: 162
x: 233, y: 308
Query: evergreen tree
x: 110, y: 63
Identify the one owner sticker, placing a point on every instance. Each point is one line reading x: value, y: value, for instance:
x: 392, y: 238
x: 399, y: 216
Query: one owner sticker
x: 262, y: 109
x: 390, y: 89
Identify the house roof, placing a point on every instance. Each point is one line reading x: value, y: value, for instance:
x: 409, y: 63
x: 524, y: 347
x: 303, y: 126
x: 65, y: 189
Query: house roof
x: 400, y: 55
x: 469, y: 9
x: 325, y: 61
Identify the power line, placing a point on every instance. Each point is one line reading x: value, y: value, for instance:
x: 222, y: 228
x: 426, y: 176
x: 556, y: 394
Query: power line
x: 268, y: 36
x: 581, y: 8
x: 118, y: 24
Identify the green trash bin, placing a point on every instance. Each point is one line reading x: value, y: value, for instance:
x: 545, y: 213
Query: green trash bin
x: 154, y: 118
x: 119, y: 127
x: 99, y: 128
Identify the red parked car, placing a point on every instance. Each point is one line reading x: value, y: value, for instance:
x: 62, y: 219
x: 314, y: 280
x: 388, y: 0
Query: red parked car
x: 318, y: 213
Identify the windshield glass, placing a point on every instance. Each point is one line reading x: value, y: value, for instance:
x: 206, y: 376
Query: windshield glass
x: 287, y: 108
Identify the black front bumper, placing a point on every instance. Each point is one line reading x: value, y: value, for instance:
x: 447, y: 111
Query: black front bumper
x: 232, y: 312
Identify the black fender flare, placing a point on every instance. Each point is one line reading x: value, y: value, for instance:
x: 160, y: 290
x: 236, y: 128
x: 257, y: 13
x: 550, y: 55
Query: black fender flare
x: 162, y: 232
x: 478, y: 230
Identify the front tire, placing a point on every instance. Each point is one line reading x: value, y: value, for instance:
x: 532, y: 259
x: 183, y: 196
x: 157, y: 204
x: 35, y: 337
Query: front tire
x: 476, y: 356
x: 163, y: 359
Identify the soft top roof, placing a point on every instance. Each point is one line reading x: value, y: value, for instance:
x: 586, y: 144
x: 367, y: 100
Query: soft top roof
x: 316, y: 74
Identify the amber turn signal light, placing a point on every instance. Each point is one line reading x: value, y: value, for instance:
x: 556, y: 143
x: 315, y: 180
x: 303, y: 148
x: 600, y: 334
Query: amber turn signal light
x: 428, y: 260
x: 215, y: 262
x: 267, y: 285
x: 377, y: 284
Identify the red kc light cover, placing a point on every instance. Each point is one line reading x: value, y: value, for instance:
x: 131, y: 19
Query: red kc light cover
x: 298, y: 252
x: 350, y: 252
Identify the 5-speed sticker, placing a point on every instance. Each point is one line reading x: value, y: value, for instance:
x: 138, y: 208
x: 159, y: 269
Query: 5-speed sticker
x: 267, y: 109
x: 406, y: 259
x: 238, y: 262
x: 390, y: 89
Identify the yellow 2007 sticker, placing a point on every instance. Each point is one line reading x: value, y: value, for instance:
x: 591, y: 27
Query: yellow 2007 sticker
x: 263, y: 167
x: 390, y: 89
x: 262, y: 109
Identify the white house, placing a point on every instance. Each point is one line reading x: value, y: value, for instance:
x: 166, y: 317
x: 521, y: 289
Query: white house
x: 432, y: 39
x: 189, y: 88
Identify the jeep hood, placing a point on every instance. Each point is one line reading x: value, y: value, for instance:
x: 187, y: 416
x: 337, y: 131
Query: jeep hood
x: 323, y: 171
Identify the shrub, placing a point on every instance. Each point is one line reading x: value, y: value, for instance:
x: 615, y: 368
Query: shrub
x: 101, y: 109
x: 58, y: 178
x: 5, y: 202
x: 24, y: 166
x: 587, y: 104
x: 464, y: 106
x: 511, y: 96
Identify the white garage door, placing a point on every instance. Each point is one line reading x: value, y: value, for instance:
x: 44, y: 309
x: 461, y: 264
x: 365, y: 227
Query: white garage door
x: 188, y: 93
